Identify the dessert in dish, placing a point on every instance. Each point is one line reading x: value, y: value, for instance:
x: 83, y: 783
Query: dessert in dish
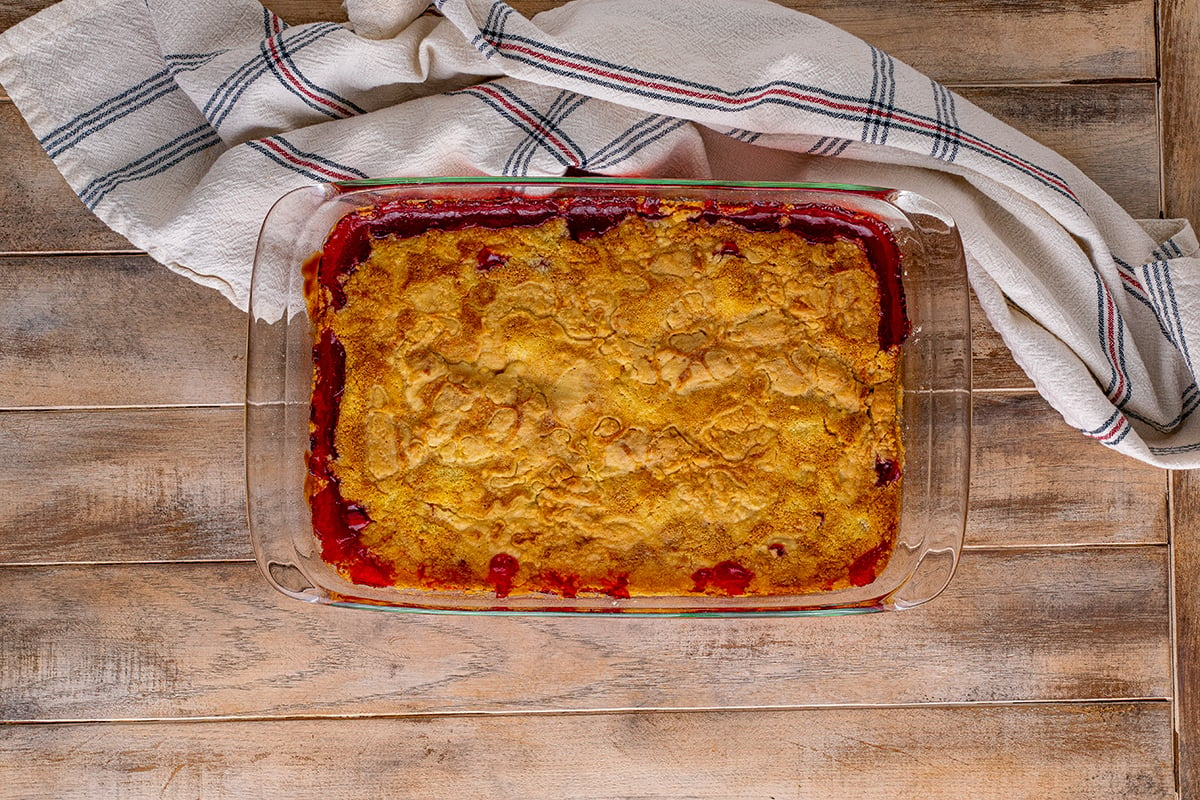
x: 611, y: 395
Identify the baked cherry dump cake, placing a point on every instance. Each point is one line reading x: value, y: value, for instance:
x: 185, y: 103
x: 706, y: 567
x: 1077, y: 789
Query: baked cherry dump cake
x: 616, y: 396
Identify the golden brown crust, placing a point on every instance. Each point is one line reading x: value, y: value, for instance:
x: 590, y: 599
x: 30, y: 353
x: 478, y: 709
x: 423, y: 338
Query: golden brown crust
x: 619, y: 412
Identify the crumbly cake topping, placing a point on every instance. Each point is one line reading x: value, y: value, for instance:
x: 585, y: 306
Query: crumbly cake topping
x: 670, y: 405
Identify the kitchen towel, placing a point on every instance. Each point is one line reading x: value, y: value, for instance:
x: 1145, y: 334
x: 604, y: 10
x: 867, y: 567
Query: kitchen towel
x: 179, y: 123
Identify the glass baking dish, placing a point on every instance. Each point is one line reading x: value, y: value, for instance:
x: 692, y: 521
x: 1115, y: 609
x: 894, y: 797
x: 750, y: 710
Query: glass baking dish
x: 936, y: 405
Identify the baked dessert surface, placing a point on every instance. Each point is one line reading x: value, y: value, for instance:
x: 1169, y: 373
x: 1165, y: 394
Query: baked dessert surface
x: 676, y: 404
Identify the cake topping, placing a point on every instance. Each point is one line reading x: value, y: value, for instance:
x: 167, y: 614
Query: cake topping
x: 607, y: 397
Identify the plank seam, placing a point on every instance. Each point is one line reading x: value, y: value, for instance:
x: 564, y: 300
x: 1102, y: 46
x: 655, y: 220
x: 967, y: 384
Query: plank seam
x: 967, y: 705
x: 129, y: 407
x: 13, y: 254
x: 1173, y: 638
x: 1059, y: 546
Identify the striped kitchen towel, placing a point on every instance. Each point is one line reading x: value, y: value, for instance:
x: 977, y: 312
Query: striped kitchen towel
x: 179, y: 122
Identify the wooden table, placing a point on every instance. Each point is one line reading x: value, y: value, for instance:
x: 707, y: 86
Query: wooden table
x: 142, y: 655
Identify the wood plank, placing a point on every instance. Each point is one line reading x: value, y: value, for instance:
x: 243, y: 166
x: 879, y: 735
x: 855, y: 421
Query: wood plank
x: 1068, y: 752
x: 998, y: 41
x: 150, y: 485
x: 167, y: 484
x: 1004, y: 41
x: 204, y: 640
x: 992, y: 365
x: 983, y: 42
x: 38, y: 209
x: 1180, y: 108
x: 1180, y: 64
x: 115, y: 330
x: 1109, y: 130
x: 1036, y: 480
x: 1185, y: 580
x: 1111, y: 133
x: 294, y: 12
x: 122, y: 330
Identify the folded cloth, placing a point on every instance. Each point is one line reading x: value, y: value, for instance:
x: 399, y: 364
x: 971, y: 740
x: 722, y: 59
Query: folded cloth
x: 179, y: 123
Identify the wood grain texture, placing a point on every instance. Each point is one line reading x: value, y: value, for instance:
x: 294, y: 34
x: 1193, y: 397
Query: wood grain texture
x: 1010, y: 40
x: 38, y: 209
x: 1109, y: 131
x: 992, y: 364
x: 168, y: 641
x: 1036, y: 480
x: 1179, y: 72
x: 1185, y: 554
x: 1180, y: 108
x: 115, y: 330
x: 130, y: 485
x: 1068, y: 752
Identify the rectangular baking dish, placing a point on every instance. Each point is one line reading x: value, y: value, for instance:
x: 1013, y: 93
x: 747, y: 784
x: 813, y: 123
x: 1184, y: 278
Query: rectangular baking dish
x: 936, y: 423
